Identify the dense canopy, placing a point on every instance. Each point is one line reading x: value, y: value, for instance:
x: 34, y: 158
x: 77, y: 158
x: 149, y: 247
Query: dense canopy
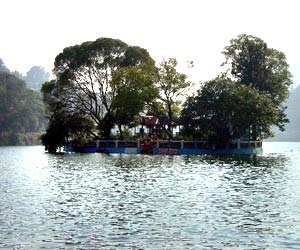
x: 246, y: 103
x: 106, y: 83
x: 223, y: 110
x: 253, y: 63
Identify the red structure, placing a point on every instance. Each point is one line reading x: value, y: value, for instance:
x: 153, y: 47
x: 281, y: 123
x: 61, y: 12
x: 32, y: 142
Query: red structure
x: 155, y: 125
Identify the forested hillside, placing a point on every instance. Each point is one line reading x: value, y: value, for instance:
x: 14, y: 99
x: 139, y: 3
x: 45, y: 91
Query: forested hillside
x: 22, y: 115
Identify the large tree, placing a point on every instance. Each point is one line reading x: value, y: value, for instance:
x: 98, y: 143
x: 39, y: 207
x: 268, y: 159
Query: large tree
x: 135, y: 92
x: 62, y: 126
x: 87, y: 79
x: 172, y: 86
x: 224, y: 110
x: 251, y: 62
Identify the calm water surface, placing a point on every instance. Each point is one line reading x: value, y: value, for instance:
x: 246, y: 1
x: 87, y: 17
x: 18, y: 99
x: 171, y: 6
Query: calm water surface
x: 95, y: 201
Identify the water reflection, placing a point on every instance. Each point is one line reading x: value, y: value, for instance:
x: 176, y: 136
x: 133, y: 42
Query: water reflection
x: 98, y: 201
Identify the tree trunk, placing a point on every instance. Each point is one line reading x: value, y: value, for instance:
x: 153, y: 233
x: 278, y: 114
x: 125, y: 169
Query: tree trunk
x: 170, y: 117
x: 106, y: 126
x: 106, y: 132
x: 254, y: 133
x: 166, y: 130
x: 121, y: 131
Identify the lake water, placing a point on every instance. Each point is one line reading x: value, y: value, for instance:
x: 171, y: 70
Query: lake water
x: 94, y: 201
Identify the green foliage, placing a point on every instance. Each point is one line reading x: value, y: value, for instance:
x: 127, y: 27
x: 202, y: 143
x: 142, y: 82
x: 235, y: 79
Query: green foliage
x: 107, y: 82
x: 87, y: 76
x: 172, y: 86
x: 62, y: 128
x: 135, y: 55
x: 135, y: 89
x: 224, y: 110
x: 21, y: 109
x: 252, y: 63
x: 47, y: 88
x: 50, y: 98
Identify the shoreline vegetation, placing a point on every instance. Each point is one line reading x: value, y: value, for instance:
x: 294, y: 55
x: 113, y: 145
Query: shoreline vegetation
x: 106, y: 85
x: 21, y: 139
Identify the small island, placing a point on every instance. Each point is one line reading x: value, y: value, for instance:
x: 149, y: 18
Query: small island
x: 105, y: 89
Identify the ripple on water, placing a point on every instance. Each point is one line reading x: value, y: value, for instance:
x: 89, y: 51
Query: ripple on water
x: 95, y: 201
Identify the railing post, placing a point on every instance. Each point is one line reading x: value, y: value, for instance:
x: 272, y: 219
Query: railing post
x: 117, y: 143
x: 138, y: 143
x: 181, y: 145
x: 238, y: 143
x: 157, y: 143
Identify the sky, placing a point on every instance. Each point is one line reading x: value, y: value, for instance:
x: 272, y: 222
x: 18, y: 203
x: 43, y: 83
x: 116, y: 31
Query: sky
x: 34, y: 32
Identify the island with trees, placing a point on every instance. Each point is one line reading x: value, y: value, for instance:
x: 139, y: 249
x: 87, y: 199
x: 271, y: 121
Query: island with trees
x: 105, y: 89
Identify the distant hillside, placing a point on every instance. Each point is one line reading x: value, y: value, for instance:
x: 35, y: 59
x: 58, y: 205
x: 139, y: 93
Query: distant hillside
x: 22, y: 116
x: 292, y: 132
x: 34, y: 78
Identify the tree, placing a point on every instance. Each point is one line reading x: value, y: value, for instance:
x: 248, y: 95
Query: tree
x: 252, y: 63
x: 86, y: 80
x: 135, y: 90
x: 224, y: 110
x: 62, y: 127
x: 172, y: 86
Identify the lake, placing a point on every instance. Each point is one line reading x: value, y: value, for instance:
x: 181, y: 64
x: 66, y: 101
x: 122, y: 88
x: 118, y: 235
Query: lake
x: 95, y: 201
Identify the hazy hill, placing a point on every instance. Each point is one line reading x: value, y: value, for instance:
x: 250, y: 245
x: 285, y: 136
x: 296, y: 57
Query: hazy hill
x: 292, y: 132
x: 22, y: 115
x: 34, y: 78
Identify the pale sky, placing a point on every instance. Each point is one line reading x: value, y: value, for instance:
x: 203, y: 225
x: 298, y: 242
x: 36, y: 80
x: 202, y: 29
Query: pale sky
x: 33, y: 32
